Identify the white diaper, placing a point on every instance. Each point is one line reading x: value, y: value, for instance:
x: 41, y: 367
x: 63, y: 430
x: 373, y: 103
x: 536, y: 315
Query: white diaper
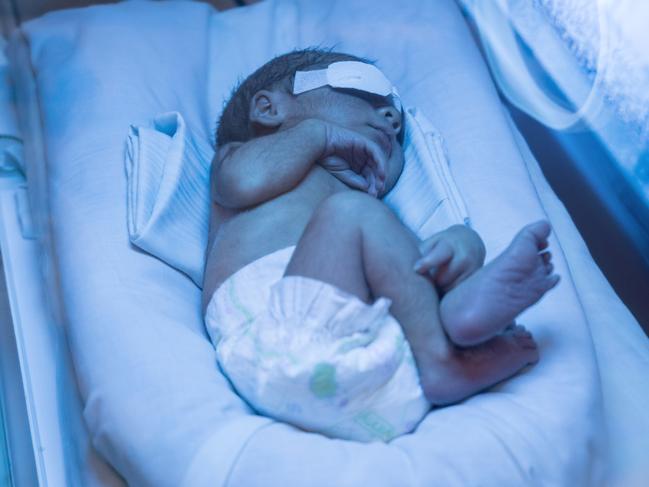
x: 306, y: 353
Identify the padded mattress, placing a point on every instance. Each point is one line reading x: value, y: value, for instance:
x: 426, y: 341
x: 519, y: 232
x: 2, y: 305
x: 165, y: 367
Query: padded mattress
x: 155, y: 403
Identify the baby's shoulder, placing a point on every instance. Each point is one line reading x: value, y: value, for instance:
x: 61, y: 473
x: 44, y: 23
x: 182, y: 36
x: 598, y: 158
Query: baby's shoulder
x: 223, y: 152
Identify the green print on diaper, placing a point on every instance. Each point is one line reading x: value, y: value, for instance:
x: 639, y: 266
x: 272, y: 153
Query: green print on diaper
x: 323, y: 380
x: 375, y: 424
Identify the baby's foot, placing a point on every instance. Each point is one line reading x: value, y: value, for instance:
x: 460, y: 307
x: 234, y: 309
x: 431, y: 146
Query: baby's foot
x: 468, y: 371
x: 493, y: 296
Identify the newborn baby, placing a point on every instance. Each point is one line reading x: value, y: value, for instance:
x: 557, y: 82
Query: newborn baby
x: 306, y: 264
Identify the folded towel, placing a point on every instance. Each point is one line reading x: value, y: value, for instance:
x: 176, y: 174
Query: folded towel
x: 168, y: 189
x: 168, y: 193
x: 425, y: 198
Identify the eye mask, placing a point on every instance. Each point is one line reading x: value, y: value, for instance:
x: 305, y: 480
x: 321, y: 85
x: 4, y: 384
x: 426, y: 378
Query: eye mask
x: 351, y: 75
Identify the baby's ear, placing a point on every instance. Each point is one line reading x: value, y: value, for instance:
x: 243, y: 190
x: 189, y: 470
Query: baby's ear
x: 269, y: 108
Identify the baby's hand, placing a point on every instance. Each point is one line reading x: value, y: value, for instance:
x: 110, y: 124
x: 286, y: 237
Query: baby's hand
x: 451, y: 256
x: 354, y: 159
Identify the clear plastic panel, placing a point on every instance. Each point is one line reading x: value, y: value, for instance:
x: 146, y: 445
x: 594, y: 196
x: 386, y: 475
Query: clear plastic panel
x: 575, y: 65
x: 62, y: 453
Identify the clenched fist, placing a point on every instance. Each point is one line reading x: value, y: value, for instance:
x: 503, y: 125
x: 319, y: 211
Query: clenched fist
x: 353, y: 158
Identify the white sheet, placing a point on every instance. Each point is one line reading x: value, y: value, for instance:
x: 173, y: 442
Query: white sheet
x: 622, y: 352
x: 156, y: 405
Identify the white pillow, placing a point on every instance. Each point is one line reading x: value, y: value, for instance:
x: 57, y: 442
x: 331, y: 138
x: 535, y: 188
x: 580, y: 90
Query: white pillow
x: 168, y: 189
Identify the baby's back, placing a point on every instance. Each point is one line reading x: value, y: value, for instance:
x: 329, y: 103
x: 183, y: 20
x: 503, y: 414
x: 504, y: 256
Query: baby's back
x: 239, y: 237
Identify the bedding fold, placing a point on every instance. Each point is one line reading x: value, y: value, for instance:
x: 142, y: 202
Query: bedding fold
x: 167, y: 205
x: 426, y: 198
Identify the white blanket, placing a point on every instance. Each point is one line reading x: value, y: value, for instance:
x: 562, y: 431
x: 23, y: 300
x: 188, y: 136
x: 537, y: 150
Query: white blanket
x: 155, y: 404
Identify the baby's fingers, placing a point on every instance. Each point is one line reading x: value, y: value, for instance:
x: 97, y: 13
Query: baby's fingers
x: 451, y: 273
x: 340, y: 169
x: 351, y: 179
x: 377, y: 161
x: 371, y: 188
x: 427, y: 245
x: 439, y: 255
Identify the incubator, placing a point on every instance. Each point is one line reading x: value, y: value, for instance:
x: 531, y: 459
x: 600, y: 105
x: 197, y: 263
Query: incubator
x: 107, y: 118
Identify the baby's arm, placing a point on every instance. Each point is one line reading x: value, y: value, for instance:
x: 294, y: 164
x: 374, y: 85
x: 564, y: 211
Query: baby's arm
x: 247, y: 174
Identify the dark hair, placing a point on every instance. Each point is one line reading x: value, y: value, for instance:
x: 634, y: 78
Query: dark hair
x: 234, y: 124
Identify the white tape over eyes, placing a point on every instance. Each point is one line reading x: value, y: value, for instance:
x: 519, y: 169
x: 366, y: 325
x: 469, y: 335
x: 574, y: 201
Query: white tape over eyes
x: 348, y: 74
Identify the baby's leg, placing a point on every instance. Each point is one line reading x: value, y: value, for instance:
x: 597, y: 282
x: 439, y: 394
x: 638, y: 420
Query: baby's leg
x: 482, y: 305
x: 356, y: 243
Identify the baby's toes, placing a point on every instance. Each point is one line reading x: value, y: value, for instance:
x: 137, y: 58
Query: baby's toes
x: 527, y: 343
x: 528, y: 347
x: 540, y: 231
x: 519, y: 331
x: 552, y: 280
x: 523, y: 337
x: 532, y: 354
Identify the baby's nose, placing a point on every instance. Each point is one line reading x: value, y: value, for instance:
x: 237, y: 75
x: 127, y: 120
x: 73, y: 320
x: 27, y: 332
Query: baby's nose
x: 393, y: 118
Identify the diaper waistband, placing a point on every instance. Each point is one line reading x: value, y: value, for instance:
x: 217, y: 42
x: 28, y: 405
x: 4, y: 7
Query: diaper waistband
x: 245, y: 293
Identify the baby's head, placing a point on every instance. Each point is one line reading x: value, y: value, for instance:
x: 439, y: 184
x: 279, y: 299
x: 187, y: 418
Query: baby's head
x: 265, y: 103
